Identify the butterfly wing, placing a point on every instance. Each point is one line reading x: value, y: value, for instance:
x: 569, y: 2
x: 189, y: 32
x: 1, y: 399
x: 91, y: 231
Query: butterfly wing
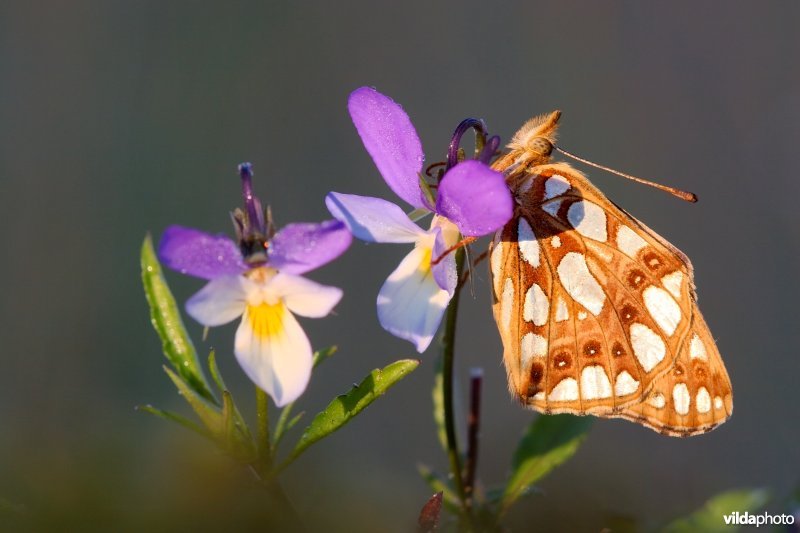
x: 592, y: 306
x: 694, y: 396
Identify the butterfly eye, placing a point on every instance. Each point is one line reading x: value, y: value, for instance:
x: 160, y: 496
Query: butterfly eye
x: 540, y: 146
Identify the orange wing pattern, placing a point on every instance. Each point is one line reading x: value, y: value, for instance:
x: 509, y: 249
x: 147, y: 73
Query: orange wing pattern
x: 598, y: 313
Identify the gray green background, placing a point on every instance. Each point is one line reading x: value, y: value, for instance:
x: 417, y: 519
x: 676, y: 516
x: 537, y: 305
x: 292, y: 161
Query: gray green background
x: 119, y: 118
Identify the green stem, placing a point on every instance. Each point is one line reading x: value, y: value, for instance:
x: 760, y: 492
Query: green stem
x: 280, y: 427
x: 283, y: 516
x: 448, y: 356
x: 263, y: 444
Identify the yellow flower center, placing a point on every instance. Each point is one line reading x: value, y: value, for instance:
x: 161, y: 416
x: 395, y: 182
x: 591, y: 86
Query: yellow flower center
x: 425, y: 262
x: 266, y: 320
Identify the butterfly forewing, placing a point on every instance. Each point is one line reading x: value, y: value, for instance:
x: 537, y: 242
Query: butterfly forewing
x: 595, y: 310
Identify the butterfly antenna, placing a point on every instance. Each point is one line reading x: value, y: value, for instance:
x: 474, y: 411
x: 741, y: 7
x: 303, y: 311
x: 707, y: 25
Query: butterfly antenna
x: 468, y: 263
x: 683, y: 195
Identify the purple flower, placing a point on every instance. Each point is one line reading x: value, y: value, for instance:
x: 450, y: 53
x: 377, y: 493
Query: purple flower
x: 472, y: 200
x: 259, y: 280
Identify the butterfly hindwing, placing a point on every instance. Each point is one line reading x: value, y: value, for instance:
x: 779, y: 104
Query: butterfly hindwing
x: 694, y: 396
x: 595, y: 310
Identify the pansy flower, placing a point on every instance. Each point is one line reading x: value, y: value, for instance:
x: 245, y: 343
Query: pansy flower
x: 471, y: 200
x: 259, y: 279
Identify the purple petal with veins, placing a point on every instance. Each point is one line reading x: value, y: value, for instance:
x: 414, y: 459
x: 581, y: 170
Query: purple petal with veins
x: 298, y: 248
x: 200, y: 254
x: 391, y: 140
x: 475, y: 198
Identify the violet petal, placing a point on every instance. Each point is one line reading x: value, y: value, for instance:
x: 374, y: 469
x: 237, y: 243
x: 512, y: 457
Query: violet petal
x: 444, y: 272
x: 298, y: 248
x: 475, y: 198
x: 199, y: 254
x: 372, y: 219
x: 391, y: 140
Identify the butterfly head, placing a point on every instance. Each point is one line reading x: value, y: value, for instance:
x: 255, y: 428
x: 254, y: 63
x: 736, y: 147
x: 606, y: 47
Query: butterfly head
x: 533, y: 143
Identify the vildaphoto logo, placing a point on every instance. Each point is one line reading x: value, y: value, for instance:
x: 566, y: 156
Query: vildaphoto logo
x: 762, y: 519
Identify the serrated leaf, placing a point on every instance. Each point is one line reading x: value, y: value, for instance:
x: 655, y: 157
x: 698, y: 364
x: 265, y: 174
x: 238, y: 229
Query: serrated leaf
x: 343, y: 408
x: 710, y: 517
x: 174, y: 417
x: 550, y: 441
x: 208, y: 413
x: 320, y: 356
x: 166, y: 320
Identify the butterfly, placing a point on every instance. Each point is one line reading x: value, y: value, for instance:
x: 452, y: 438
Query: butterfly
x: 597, y: 313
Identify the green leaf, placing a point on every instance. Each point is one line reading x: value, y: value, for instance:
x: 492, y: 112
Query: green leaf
x: 209, y: 414
x: 550, y: 441
x: 215, y: 374
x: 438, y: 403
x: 418, y: 214
x: 343, y: 408
x: 166, y: 319
x: 235, y: 439
x: 320, y: 356
x: 174, y: 417
x: 426, y: 190
x: 710, y: 517
x: 293, y: 422
x: 437, y: 484
x: 223, y: 389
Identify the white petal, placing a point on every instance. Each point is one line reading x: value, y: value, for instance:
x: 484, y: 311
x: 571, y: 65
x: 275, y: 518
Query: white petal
x: 305, y: 297
x: 411, y: 303
x: 274, y: 352
x: 372, y: 219
x: 219, y: 302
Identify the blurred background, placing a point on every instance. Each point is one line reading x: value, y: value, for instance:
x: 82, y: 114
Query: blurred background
x: 120, y: 118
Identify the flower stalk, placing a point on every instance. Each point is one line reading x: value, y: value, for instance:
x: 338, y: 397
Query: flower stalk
x: 448, y: 356
x: 263, y: 442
